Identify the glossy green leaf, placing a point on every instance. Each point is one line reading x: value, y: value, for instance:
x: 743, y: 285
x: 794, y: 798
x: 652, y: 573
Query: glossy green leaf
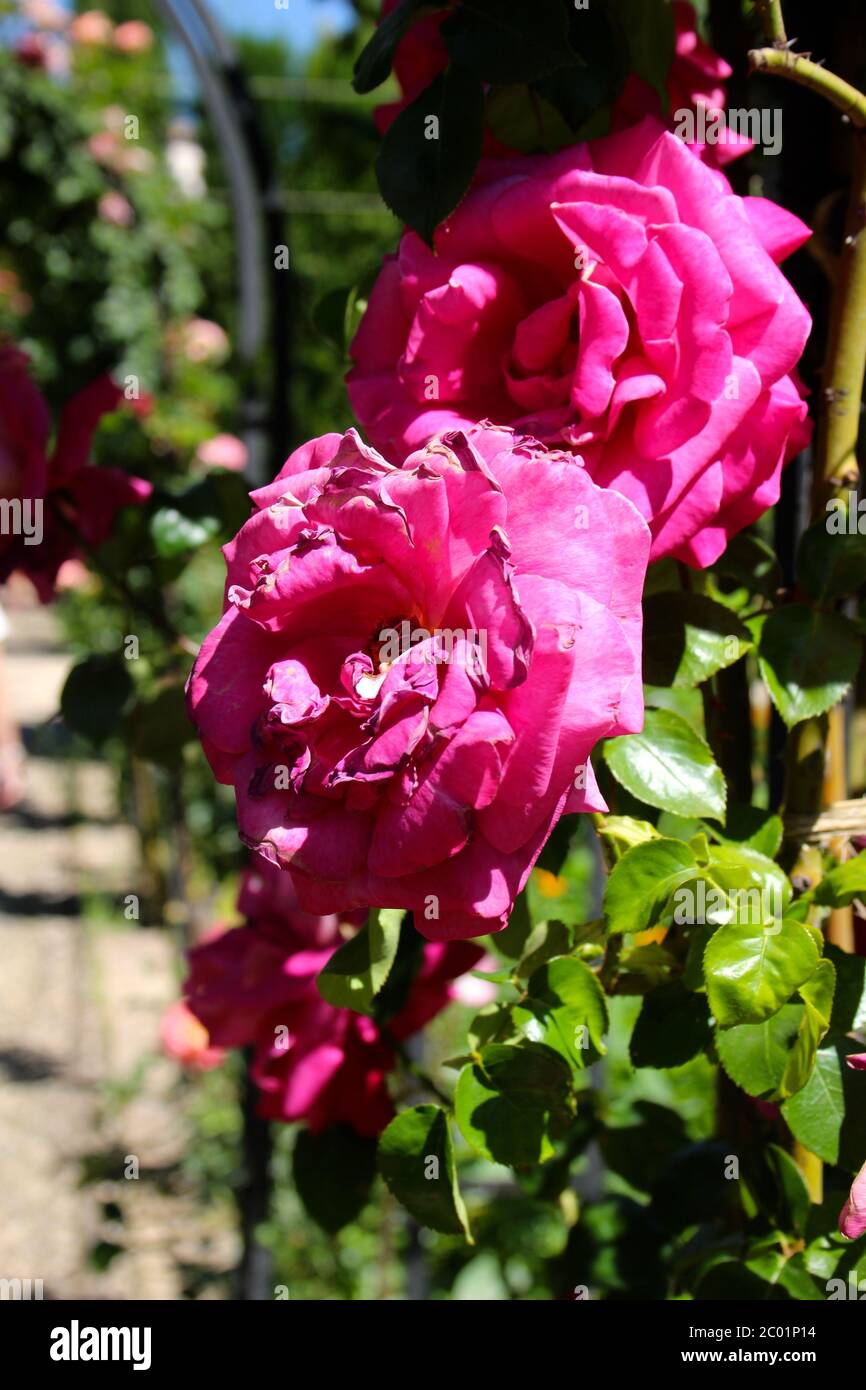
x: 668, y: 765
x: 817, y: 995
x: 843, y: 884
x: 642, y: 881
x: 430, y: 153
x: 808, y: 658
x: 751, y: 971
x: 831, y: 564
x: 358, y: 970
x: 514, y: 1102
x: 416, y: 1159
x: 755, y: 1055
x: 565, y: 1008
x: 828, y: 1116
x: 333, y: 1172
x: 374, y: 62
x: 673, y: 1027
x: 688, y: 638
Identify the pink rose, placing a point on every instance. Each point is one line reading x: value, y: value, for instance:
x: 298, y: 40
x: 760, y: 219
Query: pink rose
x: 201, y: 340
x: 617, y: 299
x: 59, y: 494
x: 256, y: 986
x: 186, y: 1040
x: 116, y: 209
x: 133, y: 37
x: 414, y: 666
x: 92, y: 29
x: 223, y: 451
x: 852, y: 1218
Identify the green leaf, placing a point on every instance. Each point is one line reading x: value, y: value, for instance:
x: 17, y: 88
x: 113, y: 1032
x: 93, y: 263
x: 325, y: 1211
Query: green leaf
x: 620, y: 833
x: 546, y: 940
x: 565, y: 1008
x: 843, y: 884
x: 416, y: 1159
x: 648, y: 26
x: 817, y: 995
x: 430, y: 153
x: 688, y: 704
x: 687, y: 638
x: 831, y: 565
x: 668, y: 765
x: 375, y: 59
x: 749, y: 825
x: 357, y: 971
x: 523, y: 120
x: 503, y: 41
x: 751, y: 971
x: 511, y: 941
x: 642, y: 881
x: 96, y: 695
x: 849, y: 1004
x: 513, y: 1102
x: 333, y: 1172
x: 673, y: 1027
x: 828, y: 1115
x: 755, y: 1055
x: 492, y: 1024
x: 808, y: 659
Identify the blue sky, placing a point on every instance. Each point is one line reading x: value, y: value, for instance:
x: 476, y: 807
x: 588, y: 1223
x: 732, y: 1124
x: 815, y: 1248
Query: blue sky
x: 301, y: 21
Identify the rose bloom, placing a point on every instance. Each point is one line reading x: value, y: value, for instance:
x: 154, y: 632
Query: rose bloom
x: 116, y: 209
x: 414, y: 666
x: 91, y: 29
x: 47, y: 481
x: 186, y: 1040
x: 616, y: 299
x: 44, y: 14
x: 133, y: 37
x: 202, y: 340
x: 256, y: 986
x: 223, y: 451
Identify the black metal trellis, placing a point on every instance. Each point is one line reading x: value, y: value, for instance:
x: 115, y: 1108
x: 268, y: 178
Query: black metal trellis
x: 263, y: 346
x: 264, y: 290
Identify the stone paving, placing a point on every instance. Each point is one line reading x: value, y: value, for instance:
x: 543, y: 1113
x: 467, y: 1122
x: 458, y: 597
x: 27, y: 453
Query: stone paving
x: 82, y: 1082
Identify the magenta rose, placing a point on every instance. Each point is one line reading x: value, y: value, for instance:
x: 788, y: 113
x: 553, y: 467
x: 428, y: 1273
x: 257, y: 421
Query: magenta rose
x: 414, y: 666
x: 852, y: 1218
x: 60, y: 496
x: 256, y: 986
x: 616, y: 299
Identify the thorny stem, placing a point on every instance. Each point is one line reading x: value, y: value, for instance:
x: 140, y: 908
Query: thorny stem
x: 781, y: 62
x: 774, y: 25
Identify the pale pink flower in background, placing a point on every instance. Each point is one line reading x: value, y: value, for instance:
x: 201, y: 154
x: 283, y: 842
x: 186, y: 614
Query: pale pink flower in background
x: 223, y: 451
x: 93, y: 29
x: 116, y: 209
x: 44, y: 14
x: 133, y: 37
x: 202, y: 340
x: 475, y: 993
x: 103, y: 146
x: 73, y: 574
